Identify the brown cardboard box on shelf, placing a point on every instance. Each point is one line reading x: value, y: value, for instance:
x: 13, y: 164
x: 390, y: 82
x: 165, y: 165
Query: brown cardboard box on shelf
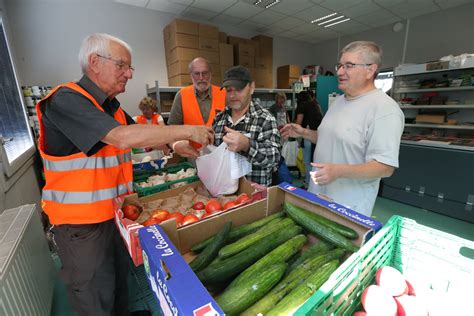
x: 438, y: 65
x: 246, y: 61
x: 178, y: 68
x: 222, y: 37
x: 180, y: 81
x: 226, y: 54
x: 234, y: 40
x: 223, y: 70
x: 292, y: 71
x: 166, y: 105
x: 215, y: 69
x: 182, y: 40
x: 430, y: 118
x: 184, y: 26
x: 241, y: 49
x: 265, y: 45
x: 206, y: 43
x: 208, y: 31
x: 182, y: 54
x: 263, y: 62
x: 211, y: 56
x: 216, y: 80
x: 166, y: 32
x: 285, y: 83
x: 263, y: 78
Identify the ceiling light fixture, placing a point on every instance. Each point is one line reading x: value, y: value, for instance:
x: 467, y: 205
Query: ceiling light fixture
x: 324, y: 17
x: 345, y: 20
x: 257, y: 2
x: 336, y: 18
x: 271, y: 4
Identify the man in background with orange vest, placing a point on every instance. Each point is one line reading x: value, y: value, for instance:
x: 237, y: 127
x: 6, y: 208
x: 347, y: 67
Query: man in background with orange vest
x: 85, y: 141
x: 197, y: 104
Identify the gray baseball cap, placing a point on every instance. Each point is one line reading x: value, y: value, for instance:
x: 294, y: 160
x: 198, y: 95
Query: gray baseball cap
x: 237, y: 77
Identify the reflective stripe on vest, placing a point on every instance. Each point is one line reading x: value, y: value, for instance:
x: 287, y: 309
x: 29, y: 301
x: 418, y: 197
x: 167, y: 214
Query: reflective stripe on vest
x: 86, y: 197
x: 87, y: 163
x: 192, y: 113
x: 81, y: 189
x: 143, y: 120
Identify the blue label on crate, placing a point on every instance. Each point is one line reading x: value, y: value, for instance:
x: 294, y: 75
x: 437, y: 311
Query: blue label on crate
x: 174, y: 284
x: 333, y: 206
x: 149, y: 166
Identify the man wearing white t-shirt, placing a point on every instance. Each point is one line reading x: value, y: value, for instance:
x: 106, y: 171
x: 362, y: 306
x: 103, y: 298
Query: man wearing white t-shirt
x: 358, y: 140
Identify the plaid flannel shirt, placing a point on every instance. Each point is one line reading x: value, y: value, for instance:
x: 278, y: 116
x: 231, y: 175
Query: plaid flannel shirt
x: 264, y: 151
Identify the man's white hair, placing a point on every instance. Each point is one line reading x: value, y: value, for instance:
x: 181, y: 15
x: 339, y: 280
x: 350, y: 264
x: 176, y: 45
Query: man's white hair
x: 98, y: 43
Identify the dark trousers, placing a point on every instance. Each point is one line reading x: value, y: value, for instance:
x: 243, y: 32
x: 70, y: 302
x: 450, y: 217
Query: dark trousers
x: 94, y: 267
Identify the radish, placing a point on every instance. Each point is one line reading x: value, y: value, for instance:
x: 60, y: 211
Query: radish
x: 391, y: 280
x: 377, y: 301
x: 410, y: 306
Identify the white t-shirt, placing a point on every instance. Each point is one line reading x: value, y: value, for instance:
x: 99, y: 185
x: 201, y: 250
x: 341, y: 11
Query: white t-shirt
x: 356, y: 131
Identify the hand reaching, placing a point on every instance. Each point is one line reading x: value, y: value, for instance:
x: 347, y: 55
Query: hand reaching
x: 292, y: 130
x: 235, y: 140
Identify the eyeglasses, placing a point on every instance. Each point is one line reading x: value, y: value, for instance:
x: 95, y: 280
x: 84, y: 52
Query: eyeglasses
x: 348, y: 66
x: 197, y: 74
x: 120, y: 64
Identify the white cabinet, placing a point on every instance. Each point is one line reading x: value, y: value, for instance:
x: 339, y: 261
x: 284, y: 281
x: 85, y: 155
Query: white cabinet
x: 438, y: 104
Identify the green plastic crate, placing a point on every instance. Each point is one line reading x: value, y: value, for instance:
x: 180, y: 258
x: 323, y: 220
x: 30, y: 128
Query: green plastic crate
x: 143, y: 176
x: 443, y: 259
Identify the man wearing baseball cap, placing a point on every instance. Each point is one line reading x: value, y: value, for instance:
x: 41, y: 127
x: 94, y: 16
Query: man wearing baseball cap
x: 247, y: 128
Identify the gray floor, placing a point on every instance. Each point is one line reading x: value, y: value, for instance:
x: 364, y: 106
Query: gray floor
x: 383, y: 210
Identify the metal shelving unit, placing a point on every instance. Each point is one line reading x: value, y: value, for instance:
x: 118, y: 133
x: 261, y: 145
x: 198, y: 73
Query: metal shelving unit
x: 440, y: 126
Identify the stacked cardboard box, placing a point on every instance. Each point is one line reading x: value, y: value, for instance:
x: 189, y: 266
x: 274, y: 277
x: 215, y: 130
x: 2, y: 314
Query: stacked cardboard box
x: 184, y: 41
x: 263, y: 61
x: 286, y: 75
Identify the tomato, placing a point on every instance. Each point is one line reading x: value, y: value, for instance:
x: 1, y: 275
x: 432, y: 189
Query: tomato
x: 213, y: 206
x: 179, y: 218
x: 195, y: 145
x: 160, y: 215
x: 230, y: 205
x: 243, y: 198
x: 199, y: 206
x: 131, y: 211
x: 206, y: 215
x: 190, y: 218
x: 151, y: 221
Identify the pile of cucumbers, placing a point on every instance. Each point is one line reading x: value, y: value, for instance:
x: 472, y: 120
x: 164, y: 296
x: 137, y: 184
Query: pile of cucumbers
x: 260, y: 268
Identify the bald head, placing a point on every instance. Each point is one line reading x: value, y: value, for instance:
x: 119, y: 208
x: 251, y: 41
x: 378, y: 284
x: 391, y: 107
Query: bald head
x: 200, y: 71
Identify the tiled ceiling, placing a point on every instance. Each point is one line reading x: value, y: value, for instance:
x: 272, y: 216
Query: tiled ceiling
x: 292, y: 18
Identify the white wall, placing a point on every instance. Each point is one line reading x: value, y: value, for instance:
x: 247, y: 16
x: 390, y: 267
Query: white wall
x: 429, y: 37
x: 47, y: 35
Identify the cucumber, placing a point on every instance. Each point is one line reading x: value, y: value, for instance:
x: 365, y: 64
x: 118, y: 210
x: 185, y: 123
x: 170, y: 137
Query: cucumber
x: 303, y: 291
x: 341, y: 229
x: 236, y: 299
x: 248, y: 240
x: 306, y: 219
x: 291, y: 281
x: 226, y: 269
x: 238, y: 232
x: 210, y: 252
x: 280, y: 253
x: 316, y: 249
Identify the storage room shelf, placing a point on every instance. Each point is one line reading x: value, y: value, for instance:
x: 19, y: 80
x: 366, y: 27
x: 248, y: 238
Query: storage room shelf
x: 434, y: 89
x: 436, y: 144
x: 461, y: 127
x: 440, y: 107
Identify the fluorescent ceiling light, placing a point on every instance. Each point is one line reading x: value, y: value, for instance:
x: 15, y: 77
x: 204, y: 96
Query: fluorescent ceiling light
x: 271, y: 4
x: 345, y: 20
x: 257, y: 2
x: 336, y: 18
x: 324, y: 17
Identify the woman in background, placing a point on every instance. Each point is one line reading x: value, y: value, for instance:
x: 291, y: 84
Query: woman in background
x: 149, y: 116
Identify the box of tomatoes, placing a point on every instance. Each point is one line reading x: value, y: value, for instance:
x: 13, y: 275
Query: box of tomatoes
x: 176, y: 209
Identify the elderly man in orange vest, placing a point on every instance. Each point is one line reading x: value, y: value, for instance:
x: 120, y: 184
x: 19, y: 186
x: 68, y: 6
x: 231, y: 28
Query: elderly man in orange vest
x: 197, y: 104
x: 85, y: 140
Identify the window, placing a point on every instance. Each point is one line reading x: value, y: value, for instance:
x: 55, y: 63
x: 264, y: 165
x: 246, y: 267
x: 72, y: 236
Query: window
x: 384, y: 80
x: 16, y: 139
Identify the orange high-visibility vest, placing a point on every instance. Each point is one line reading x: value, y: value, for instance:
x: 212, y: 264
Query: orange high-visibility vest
x: 81, y: 189
x: 143, y: 120
x: 192, y: 114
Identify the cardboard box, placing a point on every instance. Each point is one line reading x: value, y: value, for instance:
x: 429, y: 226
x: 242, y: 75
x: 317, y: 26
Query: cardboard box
x: 208, y: 31
x: 241, y: 49
x: 222, y: 37
x: 180, y: 237
x: 182, y: 40
x: 180, y: 81
x: 265, y: 46
x: 166, y: 105
x: 438, y: 65
x: 263, y: 62
x: 182, y: 54
x: 290, y: 71
x: 216, y: 80
x: 178, y: 68
x: 184, y: 26
x: 234, y: 40
x: 211, y: 44
x: 223, y: 70
x: 176, y: 284
x: 246, y: 61
x: 286, y: 83
x: 212, y: 56
x: 226, y: 54
x: 166, y: 32
x: 263, y: 78
x: 430, y: 118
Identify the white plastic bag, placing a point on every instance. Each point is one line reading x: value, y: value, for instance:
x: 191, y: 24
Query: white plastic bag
x: 220, y: 169
x: 290, y: 152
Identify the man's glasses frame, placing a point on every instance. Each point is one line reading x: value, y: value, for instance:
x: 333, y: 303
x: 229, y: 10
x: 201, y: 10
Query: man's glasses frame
x: 120, y: 64
x: 348, y: 66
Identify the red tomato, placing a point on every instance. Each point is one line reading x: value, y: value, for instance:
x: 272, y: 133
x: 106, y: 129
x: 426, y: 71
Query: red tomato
x: 179, y: 218
x: 230, y: 205
x: 213, y: 206
x: 160, y: 215
x: 206, y: 215
x: 151, y: 221
x: 131, y: 211
x: 195, y: 145
x: 190, y: 218
x: 199, y: 206
x: 243, y: 198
